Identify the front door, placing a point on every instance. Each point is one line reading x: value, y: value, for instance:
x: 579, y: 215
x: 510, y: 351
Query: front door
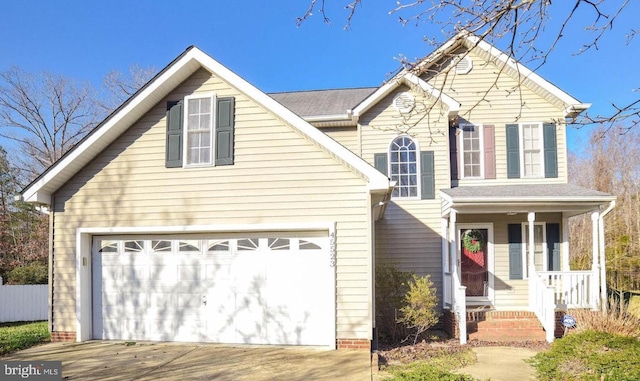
x: 475, y: 269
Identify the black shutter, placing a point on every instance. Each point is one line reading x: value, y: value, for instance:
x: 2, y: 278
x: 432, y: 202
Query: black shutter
x: 513, y: 151
x: 427, y: 175
x: 550, y: 151
x: 553, y: 247
x: 453, y: 152
x: 515, y: 251
x: 173, y: 155
x: 224, y: 131
x: 380, y: 162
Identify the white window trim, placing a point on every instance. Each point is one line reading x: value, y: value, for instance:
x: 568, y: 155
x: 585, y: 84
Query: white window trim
x: 185, y: 121
x: 525, y: 248
x: 521, y: 141
x: 461, y: 153
x: 418, y: 168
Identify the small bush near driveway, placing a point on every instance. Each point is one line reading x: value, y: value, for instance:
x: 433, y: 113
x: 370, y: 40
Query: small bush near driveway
x: 590, y: 355
x: 22, y: 335
x: 435, y: 364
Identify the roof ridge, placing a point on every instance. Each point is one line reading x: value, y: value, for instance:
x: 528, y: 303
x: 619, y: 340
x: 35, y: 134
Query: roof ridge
x: 318, y: 90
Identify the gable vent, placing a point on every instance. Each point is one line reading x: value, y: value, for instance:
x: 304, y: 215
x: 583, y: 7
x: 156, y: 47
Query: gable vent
x: 464, y: 64
x: 404, y: 102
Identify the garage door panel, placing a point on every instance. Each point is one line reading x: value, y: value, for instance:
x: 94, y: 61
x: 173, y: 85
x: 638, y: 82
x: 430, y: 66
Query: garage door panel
x: 166, y: 272
x: 135, y: 302
x: 254, y: 291
x: 161, y: 302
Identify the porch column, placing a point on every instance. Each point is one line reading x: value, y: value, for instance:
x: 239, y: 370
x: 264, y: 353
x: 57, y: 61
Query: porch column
x: 603, y: 267
x: 446, y: 267
x: 595, y: 286
x: 531, y: 267
x: 453, y: 250
x: 566, y: 253
x: 459, y: 294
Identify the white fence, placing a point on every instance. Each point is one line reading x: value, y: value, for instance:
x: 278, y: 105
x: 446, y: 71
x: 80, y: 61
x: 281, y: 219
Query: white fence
x: 23, y: 302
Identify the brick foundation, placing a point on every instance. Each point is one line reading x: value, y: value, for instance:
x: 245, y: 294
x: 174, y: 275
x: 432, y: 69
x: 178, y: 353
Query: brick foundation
x: 63, y: 336
x: 363, y: 344
x: 501, y: 326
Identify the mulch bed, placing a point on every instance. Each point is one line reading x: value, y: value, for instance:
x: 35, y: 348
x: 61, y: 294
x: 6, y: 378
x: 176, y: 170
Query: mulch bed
x: 406, y: 353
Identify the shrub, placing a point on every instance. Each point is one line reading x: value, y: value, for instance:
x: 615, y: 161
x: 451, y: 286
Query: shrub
x: 617, y: 320
x: 590, y: 355
x: 32, y: 273
x: 436, y: 367
x: 391, y: 287
x: 419, y: 312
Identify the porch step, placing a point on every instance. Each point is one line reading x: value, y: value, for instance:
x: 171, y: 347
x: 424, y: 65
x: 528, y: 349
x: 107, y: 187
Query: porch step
x: 491, y: 325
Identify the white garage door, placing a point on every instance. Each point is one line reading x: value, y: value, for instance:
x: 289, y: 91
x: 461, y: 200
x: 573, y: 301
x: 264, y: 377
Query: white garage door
x: 258, y: 290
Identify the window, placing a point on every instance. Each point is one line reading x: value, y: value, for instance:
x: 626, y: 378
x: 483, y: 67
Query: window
x: 199, y: 126
x: 532, y: 150
x: 404, y: 166
x: 531, y: 153
x: 471, y: 137
x: 539, y: 243
x: 200, y: 131
x: 133, y: 246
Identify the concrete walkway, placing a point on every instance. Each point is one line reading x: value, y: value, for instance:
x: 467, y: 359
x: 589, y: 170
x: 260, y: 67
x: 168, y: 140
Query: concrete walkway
x: 107, y: 360
x: 501, y: 364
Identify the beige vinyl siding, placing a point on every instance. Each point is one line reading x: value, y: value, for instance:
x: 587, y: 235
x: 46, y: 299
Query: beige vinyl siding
x: 408, y: 235
x: 505, y: 103
x: 347, y: 136
x: 509, y: 294
x: 279, y: 176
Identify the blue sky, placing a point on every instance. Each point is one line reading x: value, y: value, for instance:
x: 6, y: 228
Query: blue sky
x: 259, y: 41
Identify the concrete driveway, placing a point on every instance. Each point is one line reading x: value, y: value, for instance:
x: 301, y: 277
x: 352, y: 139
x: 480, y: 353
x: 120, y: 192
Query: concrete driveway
x: 110, y: 360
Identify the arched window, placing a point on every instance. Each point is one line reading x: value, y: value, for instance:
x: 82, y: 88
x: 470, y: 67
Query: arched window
x: 403, y: 166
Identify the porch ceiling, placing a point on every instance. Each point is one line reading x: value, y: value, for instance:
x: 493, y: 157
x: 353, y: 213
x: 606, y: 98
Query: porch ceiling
x: 522, y: 198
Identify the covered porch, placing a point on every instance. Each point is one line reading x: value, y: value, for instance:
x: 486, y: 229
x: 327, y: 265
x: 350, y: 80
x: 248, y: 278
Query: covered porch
x: 506, y: 248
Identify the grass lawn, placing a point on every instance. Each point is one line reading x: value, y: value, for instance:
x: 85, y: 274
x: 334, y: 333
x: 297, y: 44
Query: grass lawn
x: 22, y: 335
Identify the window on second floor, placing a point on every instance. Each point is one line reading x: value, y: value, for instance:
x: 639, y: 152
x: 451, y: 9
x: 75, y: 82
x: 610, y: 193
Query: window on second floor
x: 532, y: 150
x: 200, y: 131
x: 412, y: 170
x: 471, y: 154
x: 403, y: 163
x: 531, y: 142
x: 199, y: 126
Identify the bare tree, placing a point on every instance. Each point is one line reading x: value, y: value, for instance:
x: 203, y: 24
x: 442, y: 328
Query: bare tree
x: 611, y: 163
x: 118, y: 86
x: 46, y: 114
x: 518, y: 26
x: 23, y: 229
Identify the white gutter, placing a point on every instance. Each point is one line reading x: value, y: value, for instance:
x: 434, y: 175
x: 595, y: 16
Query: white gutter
x: 503, y: 200
x: 327, y: 118
x: 575, y: 109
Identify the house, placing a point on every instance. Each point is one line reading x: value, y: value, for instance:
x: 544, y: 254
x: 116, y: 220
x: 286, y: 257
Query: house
x: 203, y: 209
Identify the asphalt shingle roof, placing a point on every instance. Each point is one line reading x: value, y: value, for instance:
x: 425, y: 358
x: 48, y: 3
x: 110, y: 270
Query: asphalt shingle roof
x: 559, y: 191
x: 322, y: 102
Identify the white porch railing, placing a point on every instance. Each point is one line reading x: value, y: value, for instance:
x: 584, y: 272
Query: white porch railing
x: 543, y: 304
x: 572, y: 289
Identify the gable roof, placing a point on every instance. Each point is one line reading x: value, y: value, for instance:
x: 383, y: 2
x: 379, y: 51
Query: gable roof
x: 319, y: 105
x: 191, y: 60
x: 572, y: 107
x: 411, y: 80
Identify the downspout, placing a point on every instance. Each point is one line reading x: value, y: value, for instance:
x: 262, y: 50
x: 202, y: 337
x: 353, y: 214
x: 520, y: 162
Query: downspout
x: 603, y: 267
